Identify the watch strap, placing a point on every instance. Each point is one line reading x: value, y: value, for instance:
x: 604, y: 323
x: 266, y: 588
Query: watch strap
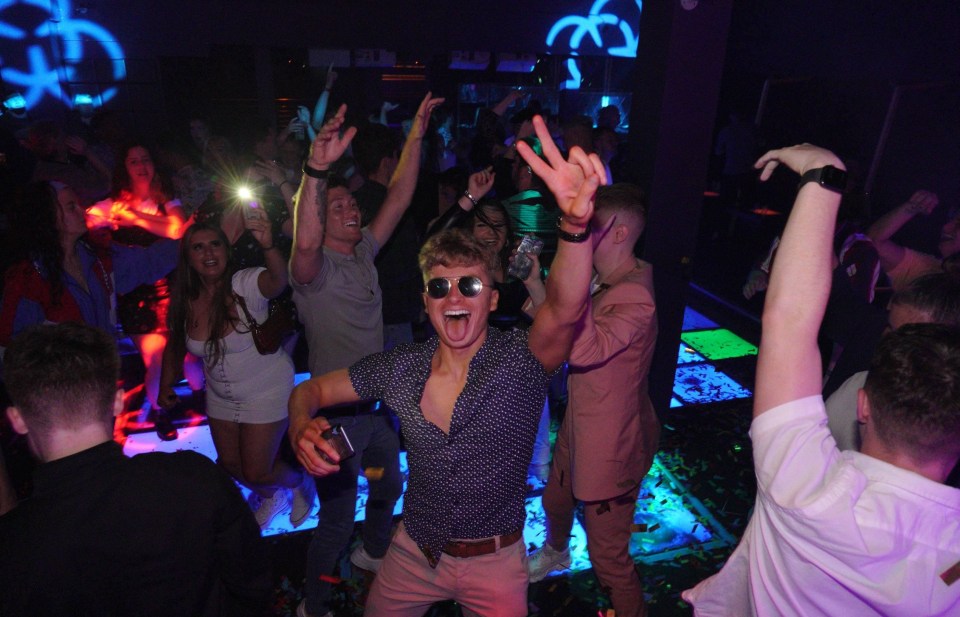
x: 828, y: 176
x: 319, y: 174
x: 566, y: 236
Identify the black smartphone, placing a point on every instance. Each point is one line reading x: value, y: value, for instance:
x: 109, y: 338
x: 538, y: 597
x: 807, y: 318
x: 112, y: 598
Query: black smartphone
x: 337, y: 436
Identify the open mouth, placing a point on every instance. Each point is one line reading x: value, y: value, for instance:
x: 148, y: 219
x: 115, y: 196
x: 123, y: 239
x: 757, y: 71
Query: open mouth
x: 456, y: 314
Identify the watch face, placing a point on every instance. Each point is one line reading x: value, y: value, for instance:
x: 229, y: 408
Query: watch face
x: 833, y: 178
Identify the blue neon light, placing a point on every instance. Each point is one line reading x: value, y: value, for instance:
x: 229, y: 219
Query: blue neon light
x: 40, y: 77
x: 596, y: 21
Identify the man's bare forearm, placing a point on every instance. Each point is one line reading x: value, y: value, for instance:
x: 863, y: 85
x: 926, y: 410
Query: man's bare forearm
x: 309, y: 223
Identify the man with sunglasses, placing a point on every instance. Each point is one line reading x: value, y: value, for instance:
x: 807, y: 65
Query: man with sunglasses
x: 339, y: 300
x: 469, y: 402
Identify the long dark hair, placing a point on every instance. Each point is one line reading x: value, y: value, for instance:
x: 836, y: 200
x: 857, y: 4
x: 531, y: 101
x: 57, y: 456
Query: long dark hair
x: 186, y: 286
x: 35, y: 225
x: 159, y: 191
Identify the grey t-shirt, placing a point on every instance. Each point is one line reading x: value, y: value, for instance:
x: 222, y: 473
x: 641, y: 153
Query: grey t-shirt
x: 341, y: 308
x: 842, y: 412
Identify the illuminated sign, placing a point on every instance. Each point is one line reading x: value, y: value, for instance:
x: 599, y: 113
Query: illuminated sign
x: 49, y: 54
x: 600, y: 20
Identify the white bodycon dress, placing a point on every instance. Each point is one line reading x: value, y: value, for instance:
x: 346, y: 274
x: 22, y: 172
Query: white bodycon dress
x: 246, y: 386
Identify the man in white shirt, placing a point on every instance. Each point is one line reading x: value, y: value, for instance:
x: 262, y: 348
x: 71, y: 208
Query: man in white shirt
x: 874, y: 532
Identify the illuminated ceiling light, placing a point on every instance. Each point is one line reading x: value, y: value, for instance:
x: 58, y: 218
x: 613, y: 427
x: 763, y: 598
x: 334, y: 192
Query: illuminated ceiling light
x: 328, y: 57
x: 81, y: 99
x: 374, y: 58
x: 469, y: 60
x: 15, y: 102
x: 516, y: 63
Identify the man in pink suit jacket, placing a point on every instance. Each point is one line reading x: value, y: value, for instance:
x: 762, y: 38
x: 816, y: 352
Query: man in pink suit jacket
x: 609, y: 435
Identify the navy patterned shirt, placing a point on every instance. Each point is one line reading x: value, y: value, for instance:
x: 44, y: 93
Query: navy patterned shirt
x: 470, y: 483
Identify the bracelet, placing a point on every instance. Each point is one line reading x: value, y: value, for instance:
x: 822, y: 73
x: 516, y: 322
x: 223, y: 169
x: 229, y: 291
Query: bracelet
x: 566, y: 236
x: 319, y: 174
x: 470, y: 197
x: 284, y: 182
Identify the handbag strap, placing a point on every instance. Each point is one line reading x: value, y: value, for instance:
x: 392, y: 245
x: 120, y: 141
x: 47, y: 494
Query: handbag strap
x: 251, y: 322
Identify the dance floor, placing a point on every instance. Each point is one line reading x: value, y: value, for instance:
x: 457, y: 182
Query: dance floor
x: 669, y: 521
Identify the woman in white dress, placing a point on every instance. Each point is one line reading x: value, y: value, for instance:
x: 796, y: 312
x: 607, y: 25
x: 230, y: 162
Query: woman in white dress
x: 247, y: 391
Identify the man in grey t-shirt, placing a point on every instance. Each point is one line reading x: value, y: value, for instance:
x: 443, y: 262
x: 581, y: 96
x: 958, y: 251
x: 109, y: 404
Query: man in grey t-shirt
x: 338, y: 297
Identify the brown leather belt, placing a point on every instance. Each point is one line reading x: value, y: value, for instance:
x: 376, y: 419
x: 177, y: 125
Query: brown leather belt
x: 475, y: 548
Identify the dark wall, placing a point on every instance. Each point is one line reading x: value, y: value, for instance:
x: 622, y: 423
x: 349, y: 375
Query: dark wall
x: 879, y: 40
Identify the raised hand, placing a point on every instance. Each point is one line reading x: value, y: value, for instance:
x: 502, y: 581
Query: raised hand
x: 574, y: 182
x: 480, y: 183
x: 303, y: 114
x: 422, y: 119
x: 801, y: 159
x: 271, y: 171
x: 923, y: 202
x: 259, y: 225
x: 329, y: 145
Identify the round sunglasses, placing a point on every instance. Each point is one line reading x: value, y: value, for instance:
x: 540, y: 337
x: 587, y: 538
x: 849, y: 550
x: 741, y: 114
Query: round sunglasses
x: 469, y: 286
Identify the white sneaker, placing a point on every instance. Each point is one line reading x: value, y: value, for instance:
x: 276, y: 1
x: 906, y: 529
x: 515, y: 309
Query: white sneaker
x: 302, y: 610
x: 304, y: 497
x: 272, y: 506
x: 362, y: 559
x: 545, y: 560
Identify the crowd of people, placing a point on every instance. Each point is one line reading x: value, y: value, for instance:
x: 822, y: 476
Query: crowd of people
x: 423, y: 333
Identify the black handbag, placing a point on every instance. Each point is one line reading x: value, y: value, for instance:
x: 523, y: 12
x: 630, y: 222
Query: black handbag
x: 279, y: 324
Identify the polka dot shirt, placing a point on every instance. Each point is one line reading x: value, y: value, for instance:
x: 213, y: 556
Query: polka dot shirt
x: 470, y: 483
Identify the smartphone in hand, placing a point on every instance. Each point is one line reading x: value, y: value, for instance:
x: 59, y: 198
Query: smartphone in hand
x: 336, y: 435
x: 521, y: 264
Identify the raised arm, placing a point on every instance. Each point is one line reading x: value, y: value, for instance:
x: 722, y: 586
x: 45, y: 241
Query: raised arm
x: 273, y: 280
x: 788, y: 366
x: 478, y: 185
x: 574, y: 183
x: 320, y: 109
x: 512, y: 97
x: 310, y: 211
x: 891, y: 253
x: 305, y: 431
x: 272, y: 171
x: 404, y: 179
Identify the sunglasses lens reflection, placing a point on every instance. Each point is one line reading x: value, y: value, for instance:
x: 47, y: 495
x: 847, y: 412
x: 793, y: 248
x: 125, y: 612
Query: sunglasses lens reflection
x: 438, y: 288
x: 469, y: 287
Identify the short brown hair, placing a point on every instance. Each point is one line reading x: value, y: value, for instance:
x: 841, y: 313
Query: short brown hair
x: 455, y: 247
x: 914, y: 390
x: 627, y: 199
x: 62, y: 375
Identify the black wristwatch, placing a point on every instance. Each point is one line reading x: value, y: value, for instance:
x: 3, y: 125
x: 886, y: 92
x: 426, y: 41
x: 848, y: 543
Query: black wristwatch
x: 319, y: 174
x: 828, y: 176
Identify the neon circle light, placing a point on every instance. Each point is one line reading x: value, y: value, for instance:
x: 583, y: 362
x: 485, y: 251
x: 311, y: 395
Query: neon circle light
x: 591, y: 25
x: 40, y: 77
